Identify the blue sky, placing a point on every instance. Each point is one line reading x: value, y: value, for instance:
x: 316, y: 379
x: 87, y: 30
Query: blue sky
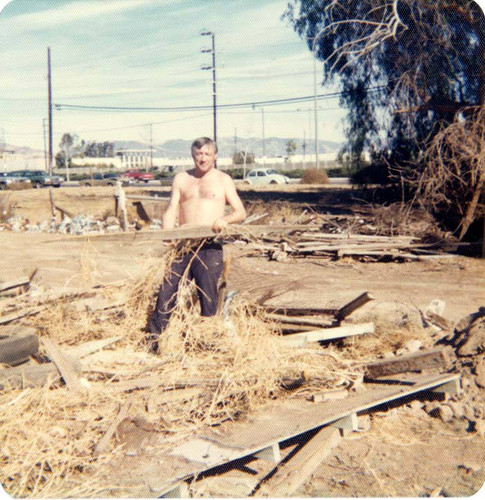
x: 147, y: 53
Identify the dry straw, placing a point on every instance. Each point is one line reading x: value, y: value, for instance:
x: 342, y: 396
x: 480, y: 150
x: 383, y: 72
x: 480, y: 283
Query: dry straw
x: 209, y: 370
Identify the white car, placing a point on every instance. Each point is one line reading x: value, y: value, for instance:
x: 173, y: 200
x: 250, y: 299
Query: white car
x: 264, y: 176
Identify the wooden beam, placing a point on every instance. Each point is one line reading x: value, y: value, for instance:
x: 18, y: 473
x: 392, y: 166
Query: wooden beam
x: 281, y: 318
x: 63, y: 364
x: 350, y: 307
x: 90, y: 347
x: 8, y: 318
x: 188, y: 232
x: 32, y: 375
x: 292, y: 474
x: 433, y: 359
x: 301, y: 339
x: 8, y: 285
x: 123, y: 412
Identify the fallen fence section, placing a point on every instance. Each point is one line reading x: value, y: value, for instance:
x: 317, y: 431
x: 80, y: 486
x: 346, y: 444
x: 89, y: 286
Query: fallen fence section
x: 151, y: 473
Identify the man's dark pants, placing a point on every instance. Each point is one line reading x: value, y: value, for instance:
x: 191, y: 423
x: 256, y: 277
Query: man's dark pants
x: 204, y: 266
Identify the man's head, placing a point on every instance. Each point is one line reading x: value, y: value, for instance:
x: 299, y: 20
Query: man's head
x: 204, y: 153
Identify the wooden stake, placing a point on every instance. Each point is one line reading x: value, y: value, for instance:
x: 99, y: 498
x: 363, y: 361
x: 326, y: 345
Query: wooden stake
x: 63, y: 364
x: 349, y: 308
x: 292, y: 474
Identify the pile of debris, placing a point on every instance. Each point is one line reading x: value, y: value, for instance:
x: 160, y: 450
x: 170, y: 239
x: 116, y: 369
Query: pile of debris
x: 63, y: 365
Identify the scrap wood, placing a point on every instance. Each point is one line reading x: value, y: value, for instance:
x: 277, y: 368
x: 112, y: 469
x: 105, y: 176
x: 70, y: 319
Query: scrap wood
x: 27, y: 375
x: 423, y: 360
x: 123, y: 412
x: 281, y: 318
x: 188, y: 232
x: 300, y: 464
x: 20, y: 282
x: 155, y: 381
x: 91, y: 347
x: 8, y: 318
x: 300, y: 339
x: 63, y: 364
x: 353, y: 305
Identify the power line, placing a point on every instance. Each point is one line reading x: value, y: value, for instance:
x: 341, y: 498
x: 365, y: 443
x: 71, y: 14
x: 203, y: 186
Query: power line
x: 273, y: 102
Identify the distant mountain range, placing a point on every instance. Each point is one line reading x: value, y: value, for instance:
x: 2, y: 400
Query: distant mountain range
x: 180, y: 148
x: 273, y: 146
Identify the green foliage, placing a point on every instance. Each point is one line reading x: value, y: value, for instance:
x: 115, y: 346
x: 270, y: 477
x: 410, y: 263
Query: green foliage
x: 290, y: 147
x: 403, y: 72
x: 243, y: 156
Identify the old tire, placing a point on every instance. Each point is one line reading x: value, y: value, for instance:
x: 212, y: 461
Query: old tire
x: 15, y: 349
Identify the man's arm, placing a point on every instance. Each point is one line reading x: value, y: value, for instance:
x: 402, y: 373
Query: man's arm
x: 170, y: 216
x: 238, y: 213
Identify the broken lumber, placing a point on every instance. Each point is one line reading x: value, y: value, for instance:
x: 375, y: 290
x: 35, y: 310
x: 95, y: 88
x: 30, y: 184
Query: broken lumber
x: 63, y: 364
x: 91, y: 347
x: 8, y: 318
x: 293, y: 473
x: 8, y: 285
x: 301, y: 339
x: 32, y: 375
x: 281, y: 318
x: 189, y: 232
x: 425, y: 360
x: 349, y: 308
x: 122, y: 414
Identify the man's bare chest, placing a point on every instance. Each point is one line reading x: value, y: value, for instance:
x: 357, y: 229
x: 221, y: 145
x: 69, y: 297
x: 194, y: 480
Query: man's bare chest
x: 200, y: 190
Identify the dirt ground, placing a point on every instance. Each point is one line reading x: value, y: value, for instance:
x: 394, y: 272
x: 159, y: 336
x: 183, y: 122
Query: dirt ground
x: 405, y: 452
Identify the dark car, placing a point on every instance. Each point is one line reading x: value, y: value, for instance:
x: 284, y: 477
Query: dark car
x: 38, y: 178
x: 7, y: 179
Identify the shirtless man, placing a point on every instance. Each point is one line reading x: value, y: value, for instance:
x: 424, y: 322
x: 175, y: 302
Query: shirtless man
x: 199, y: 197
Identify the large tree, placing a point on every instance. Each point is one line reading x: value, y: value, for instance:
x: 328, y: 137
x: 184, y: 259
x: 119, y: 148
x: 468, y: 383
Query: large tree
x: 421, y: 61
x: 407, y: 68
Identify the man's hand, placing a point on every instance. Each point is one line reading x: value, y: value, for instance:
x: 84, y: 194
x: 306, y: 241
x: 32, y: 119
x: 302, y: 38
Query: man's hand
x: 219, y: 225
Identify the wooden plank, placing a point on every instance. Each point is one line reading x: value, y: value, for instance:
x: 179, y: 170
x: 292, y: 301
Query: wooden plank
x: 353, y: 305
x: 275, y: 423
x: 123, y: 412
x: 301, y: 311
x: 424, y: 360
x: 32, y: 375
x: 8, y: 285
x: 63, y: 364
x: 90, y: 347
x: 281, y: 318
x: 186, y: 232
x: 293, y: 473
x: 301, y: 339
x: 8, y: 318
x: 154, y: 381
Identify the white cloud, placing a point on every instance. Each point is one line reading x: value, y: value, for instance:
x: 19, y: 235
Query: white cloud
x: 75, y: 11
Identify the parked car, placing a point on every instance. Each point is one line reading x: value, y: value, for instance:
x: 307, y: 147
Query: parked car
x: 107, y: 179
x: 138, y: 176
x: 6, y: 179
x: 38, y: 178
x: 264, y: 176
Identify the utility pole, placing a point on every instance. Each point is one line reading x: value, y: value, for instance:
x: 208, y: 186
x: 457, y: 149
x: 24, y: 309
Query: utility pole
x: 151, y: 145
x: 264, y: 139
x: 45, y: 145
x: 49, y: 105
x: 316, y: 107
x: 213, y: 68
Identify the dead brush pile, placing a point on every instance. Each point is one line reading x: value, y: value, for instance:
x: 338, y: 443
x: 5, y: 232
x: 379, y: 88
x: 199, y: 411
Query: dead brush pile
x: 208, y: 371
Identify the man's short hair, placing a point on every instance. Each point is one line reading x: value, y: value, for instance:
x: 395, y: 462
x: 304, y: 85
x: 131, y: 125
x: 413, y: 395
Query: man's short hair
x: 203, y: 141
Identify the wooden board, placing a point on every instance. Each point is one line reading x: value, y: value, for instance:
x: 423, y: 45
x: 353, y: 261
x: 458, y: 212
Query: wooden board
x: 301, y: 466
x: 155, y: 473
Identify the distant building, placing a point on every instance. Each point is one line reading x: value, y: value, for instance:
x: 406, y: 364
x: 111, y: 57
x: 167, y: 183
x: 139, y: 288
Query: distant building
x: 135, y: 158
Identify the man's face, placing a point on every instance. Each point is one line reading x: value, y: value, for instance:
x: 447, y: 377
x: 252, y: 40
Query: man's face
x: 204, y: 158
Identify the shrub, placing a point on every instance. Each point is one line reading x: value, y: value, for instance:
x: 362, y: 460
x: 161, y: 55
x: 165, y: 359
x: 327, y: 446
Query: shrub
x: 7, y: 209
x: 314, y: 176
